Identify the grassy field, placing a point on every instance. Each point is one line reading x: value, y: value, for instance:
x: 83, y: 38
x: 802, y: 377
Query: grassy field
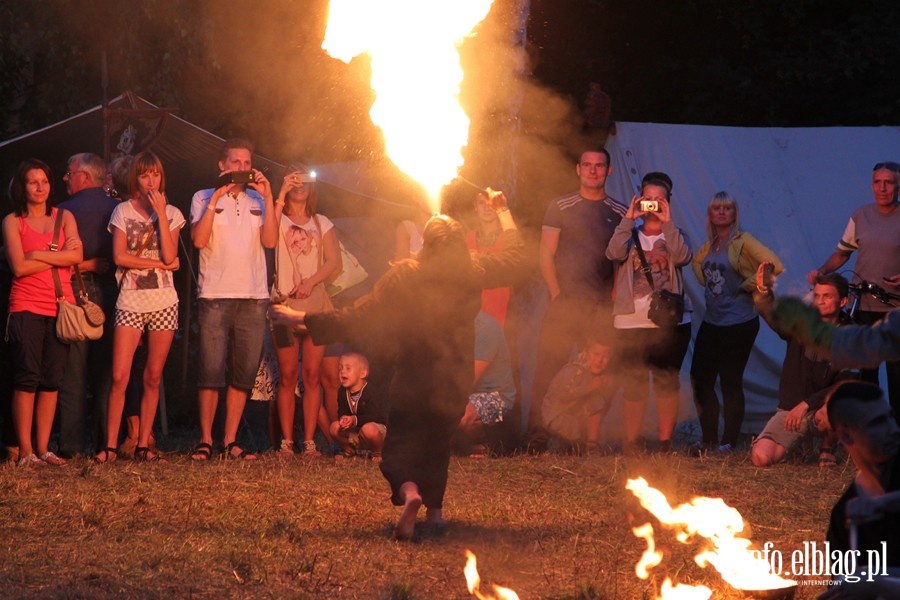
x: 552, y: 526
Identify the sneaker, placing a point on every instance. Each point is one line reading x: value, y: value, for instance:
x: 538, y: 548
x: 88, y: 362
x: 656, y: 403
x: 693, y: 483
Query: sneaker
x: 52, y: 459
x: 30, y: 460
x: 725, y: 449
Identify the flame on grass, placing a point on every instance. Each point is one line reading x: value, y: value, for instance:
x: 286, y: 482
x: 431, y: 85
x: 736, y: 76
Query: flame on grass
x: 719, y: 524
x: 416, y: 76
x: 473, y: 581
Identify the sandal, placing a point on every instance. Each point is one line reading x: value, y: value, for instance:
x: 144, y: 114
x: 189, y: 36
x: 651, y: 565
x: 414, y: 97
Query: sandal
x: 143, y: 454
x: 30, y: 460
x: 109, y: 456
x: 234, y: 452
x: 310, y: 450
x: 827, y: 457
x: 202, y: 451
x: 52, y: 459
x: 286, y: 450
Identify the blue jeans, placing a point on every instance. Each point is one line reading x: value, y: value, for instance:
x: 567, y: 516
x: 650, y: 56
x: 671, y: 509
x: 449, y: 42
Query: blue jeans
x: 235, y: 324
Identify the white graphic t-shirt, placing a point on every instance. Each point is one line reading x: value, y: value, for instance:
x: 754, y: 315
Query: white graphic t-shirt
x: 144, y: 290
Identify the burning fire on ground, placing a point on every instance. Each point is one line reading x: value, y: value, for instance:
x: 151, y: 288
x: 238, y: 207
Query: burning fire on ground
x: 474, y: 582
x: 416, y: 75
x: 717, y: 523
x: 710, y: 519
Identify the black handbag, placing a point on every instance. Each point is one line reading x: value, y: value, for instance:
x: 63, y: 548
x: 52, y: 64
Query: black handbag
x: 666, y: 308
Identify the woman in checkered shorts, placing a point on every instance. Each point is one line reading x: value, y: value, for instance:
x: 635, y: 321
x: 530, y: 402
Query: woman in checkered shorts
x: 146, y: 255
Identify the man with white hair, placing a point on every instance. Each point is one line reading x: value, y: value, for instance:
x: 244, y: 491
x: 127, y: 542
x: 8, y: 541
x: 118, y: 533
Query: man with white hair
x: 90, y: 363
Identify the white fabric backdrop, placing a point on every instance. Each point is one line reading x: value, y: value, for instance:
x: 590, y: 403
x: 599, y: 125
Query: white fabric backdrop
x: 796, y: 189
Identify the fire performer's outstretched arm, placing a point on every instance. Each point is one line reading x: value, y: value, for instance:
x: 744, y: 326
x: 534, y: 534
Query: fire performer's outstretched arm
x: 847, y: 347
x: 503, y: 268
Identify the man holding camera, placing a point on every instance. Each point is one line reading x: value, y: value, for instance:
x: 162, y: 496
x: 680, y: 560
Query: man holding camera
x: 576, y: 230
x: 231, y: 224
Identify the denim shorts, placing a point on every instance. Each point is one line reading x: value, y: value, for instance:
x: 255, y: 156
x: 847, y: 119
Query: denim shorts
x: 237, y: 325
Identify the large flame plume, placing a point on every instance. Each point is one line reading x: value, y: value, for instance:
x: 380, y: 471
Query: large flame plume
x: 473, y: 581
x: 714, y: 521
x: 416, y: 75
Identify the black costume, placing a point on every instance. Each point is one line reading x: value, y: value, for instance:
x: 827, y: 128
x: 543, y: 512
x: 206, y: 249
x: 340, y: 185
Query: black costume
x: 869, y: 535
x: 423, y: 314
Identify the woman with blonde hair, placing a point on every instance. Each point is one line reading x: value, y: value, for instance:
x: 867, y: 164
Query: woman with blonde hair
x: 726, y: 267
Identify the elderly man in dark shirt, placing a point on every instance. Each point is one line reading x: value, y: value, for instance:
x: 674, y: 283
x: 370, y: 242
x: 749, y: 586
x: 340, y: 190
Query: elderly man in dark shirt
x: 90, y: 363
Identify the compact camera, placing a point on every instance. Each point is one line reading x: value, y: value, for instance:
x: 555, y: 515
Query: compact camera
x: 649, y: 205
x: 243, y: 177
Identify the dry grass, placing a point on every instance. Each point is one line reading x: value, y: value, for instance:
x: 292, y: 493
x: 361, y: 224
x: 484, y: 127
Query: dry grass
x: 549, y: 527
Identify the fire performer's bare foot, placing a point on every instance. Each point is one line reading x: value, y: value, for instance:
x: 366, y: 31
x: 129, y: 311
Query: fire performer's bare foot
x: 412, y: 501
x: 434, y: 521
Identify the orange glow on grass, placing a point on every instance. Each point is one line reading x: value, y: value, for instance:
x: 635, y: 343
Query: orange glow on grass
x: 416, y: 76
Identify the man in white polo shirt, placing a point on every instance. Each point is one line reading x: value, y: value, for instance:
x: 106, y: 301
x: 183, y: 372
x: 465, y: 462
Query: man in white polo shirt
x: 231, y: 225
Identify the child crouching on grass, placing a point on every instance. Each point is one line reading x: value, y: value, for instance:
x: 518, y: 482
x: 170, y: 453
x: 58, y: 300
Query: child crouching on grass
x: 579, y: 397
x: 361, y: 417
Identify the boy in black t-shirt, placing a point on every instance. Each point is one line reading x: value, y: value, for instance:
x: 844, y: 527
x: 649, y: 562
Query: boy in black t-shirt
x: 361, y: 418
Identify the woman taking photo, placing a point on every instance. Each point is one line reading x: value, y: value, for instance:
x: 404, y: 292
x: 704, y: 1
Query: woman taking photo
x: 34, y: 251
x: 642, y: 347
x: 306, y: 256
x: 145, y: 232
x: 726, y: 267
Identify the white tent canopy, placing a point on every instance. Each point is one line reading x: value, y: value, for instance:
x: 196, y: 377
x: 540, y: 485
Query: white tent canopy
x: 796, y: 189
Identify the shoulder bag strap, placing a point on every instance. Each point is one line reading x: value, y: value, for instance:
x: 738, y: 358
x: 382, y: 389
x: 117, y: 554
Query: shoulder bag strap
x: 321, y: 239
x: 645, y: 268
x: 54, y: 247
x: 278, y: 241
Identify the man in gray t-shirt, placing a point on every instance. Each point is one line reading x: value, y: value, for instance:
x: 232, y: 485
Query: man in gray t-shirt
x: 874, y: 233
x: 579, y: 277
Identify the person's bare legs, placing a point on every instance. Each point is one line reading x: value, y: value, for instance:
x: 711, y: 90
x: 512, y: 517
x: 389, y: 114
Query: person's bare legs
x: 312, y: 392
x: 23, y: 417
x: 371, y: 437
x: 592, y: 430
x: 412, y: 502
x: 235, y: 401
x: 285, y: 402
x: 633, y: 417
x: 125, y: 343
x: 158, y: 344
x: 45, y: 409
x: 766, y: 452
x: 207, y: 402
x: 434, y: 517
x: 331, y: 383
x: 636, y: 384
x: 667, y: 413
